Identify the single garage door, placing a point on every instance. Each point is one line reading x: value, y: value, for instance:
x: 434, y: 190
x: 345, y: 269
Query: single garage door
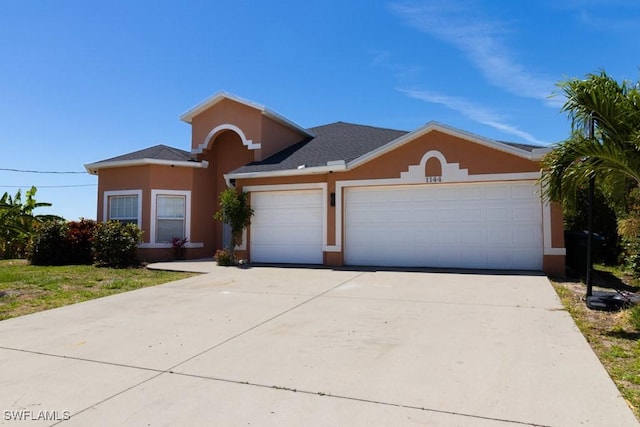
x: 497, y: 226
x: 287, y: 227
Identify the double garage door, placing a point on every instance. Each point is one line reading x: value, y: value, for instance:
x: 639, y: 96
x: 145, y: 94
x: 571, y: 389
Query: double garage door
x: 462, y: 226
x: 497, y: 225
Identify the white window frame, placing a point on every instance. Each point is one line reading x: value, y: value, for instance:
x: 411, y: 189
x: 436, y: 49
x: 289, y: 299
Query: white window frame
x: 187, y: 220
x: 106, y: 203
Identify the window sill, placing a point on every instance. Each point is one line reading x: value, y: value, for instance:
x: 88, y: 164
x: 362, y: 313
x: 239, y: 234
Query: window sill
x: 168, y: 245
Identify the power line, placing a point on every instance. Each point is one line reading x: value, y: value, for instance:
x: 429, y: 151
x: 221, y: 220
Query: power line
x: 47, y: 172
x: 48, y: 186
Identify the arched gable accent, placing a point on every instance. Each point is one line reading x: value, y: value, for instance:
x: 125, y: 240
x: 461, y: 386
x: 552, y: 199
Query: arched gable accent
x: 449, y: 172
x: 433, y: 154
x: 227, y: 126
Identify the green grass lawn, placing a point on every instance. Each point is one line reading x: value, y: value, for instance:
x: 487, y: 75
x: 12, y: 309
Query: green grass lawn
x: 27, y: 288
x: 613, y: 336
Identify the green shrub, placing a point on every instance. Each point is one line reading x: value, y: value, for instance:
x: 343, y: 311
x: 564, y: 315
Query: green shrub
x: 62, y: 243
x: 224, y: 257
x: 50, y: 245
x: 115, y: 244
x: 629, y: 230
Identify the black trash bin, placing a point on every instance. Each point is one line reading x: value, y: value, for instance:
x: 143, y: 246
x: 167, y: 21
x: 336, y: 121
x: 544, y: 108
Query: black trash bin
x: 576, y: 243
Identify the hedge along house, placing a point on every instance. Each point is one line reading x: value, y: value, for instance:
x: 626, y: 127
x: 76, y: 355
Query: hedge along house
x: 339, y: 194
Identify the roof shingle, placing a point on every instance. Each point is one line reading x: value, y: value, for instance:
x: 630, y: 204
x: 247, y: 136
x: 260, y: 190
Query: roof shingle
x: 336, y: 141
x: 157, y: 152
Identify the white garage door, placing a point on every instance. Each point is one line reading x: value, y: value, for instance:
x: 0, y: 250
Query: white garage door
x: 462, y: 226
x: 287, y: 227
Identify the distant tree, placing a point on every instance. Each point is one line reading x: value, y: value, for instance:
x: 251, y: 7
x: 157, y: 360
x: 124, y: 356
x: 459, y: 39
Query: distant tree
x: 18, y: 222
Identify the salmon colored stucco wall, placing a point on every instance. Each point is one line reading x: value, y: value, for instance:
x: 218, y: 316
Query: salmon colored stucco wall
x: 557, y: 233
x: 276, y: 137
x: 477, y: 158
x: 256, y: 127
x: 224, y: 154
x: 145, y: 178
x: 247, y: 119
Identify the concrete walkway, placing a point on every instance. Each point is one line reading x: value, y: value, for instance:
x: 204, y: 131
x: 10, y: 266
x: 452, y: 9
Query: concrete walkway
x: 292, y: 346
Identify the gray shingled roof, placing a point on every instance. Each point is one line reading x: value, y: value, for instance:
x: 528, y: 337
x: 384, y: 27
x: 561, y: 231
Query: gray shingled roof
x: 336, y: 141
x: 525, y: 147
x: 332, y: 142
x: 157, y: 152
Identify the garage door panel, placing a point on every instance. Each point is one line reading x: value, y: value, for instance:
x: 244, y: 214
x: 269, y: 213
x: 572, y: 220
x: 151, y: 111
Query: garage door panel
x: 287, y: 226
x: 468, y: 226
x: 522, y: 192
x: 444, y: 195
x: 497, y: 192
x: 295, y: 254
x: 498, y: 237
x: 524, y: 214
x: 498, y: 214
x: 471, y: 214
x: 471, y: 193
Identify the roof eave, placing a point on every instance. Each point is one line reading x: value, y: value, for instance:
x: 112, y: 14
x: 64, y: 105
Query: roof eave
x: 539, y: 153
x: 93, y: 168
x: 337, y: 166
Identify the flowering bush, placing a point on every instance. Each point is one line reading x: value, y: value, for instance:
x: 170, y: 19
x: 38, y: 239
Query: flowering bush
x: 178, y: 247
x: 224, y: 257
x: 80, y: 237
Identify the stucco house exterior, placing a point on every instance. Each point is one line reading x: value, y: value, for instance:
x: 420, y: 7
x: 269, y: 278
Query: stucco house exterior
x: 338, y: 194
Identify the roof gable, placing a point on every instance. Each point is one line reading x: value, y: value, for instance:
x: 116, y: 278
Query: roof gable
x: 521, y: 150
x: 188, y: 116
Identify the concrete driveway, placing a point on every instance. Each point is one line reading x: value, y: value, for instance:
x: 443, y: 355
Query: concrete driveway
x: 291, y: 346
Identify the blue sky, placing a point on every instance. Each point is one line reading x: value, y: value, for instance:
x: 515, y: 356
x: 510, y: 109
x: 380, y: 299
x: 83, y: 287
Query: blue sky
x: 81, y: 81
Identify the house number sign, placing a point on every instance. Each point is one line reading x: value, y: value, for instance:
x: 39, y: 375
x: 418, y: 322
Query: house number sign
x: 434, y: 179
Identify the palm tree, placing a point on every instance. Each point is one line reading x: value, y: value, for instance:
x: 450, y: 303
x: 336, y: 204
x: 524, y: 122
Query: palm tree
x: 604, y: 145
x: 610, y: 152
x: 18, y: 222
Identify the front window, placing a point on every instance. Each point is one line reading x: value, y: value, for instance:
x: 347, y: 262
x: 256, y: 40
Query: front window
x: 124, y: 209
x: 170, y: 215
x: 123, y: 206
x: 170, y: 219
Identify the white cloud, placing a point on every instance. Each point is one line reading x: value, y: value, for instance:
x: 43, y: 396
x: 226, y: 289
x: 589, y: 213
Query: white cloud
x: 482, y: 42
x: 472, y: 111
x: 402, y: 72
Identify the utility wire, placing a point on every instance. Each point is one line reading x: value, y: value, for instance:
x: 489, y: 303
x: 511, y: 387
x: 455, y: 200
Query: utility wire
x: 48, y: 172
x: 48, y: 186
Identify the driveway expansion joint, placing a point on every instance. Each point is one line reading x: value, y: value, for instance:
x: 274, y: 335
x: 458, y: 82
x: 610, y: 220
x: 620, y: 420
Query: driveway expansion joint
x: 358, y: 399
